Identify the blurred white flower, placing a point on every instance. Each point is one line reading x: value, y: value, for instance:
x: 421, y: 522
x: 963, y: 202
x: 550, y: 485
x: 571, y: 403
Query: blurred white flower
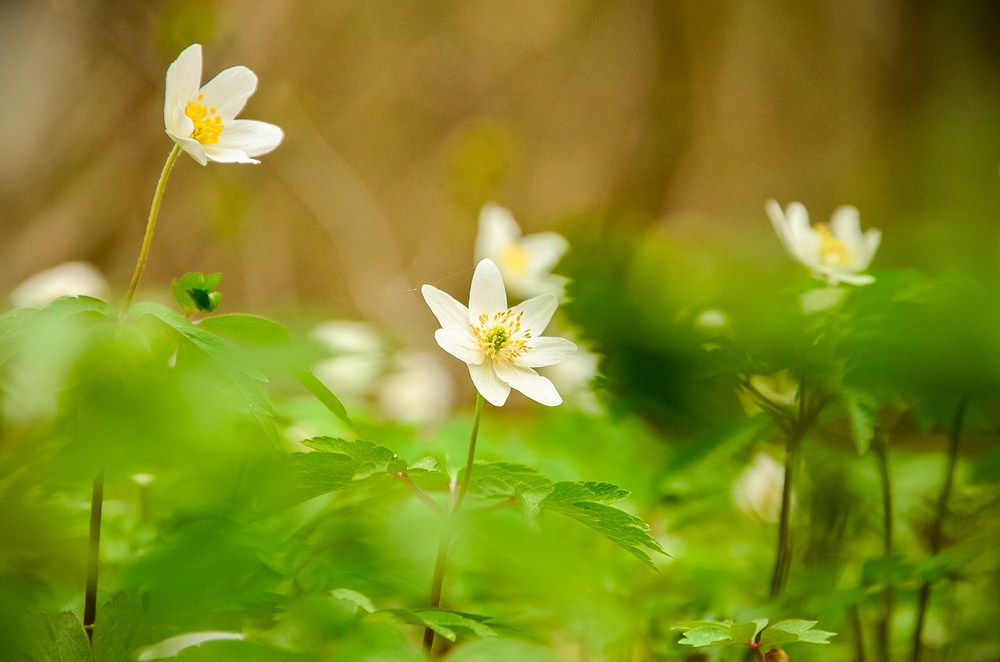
x: 526, y: 262
x: 419, y: 390
x: 837, y: 252
x: 357, y: 357
x: 201, y: 119
x: 757, y: 491
x: 67, y: 279
x: 501, y: 345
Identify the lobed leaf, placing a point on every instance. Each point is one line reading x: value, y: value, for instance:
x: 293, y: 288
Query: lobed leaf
x: 516, y: 481
x: 587, y: 503
x: 793, y: 630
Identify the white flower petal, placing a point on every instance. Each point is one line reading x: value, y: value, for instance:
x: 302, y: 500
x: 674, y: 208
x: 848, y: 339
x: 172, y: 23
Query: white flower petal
x: 497, y: 229
x: 451, y: 314
x: 537, y: 312
x: 223, y: 155
x: 871, y: 243
x: 191, y: 146
x: 183, y: 80
x: 488, y: 384
x: 487, y: 295
x: 544, y: 250
x: 251, y: 137
x: 228, y: 92
x: 845, y: 225
x: 530, y: 383
x: 543, y: 352
x: 851, y: 278
x: 460, y: 345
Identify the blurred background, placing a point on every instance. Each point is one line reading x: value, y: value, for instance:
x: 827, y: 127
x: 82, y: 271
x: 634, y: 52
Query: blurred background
x: 598, y: 120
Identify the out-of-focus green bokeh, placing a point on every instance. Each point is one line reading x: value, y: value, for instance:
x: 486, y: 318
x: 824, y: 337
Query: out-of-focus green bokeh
x: 650, y: 134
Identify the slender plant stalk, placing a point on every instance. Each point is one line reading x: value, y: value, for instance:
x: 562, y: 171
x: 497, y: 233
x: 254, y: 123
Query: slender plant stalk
x: 449, y: 525
x: 93, y: 556
x: 937, y: 527
x: 783, y: 554
x: 154, y: 211
x: 854, y: 617
x: 883, y: 627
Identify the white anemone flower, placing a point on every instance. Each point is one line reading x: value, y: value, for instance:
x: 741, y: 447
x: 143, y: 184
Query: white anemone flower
x: 837, y: 251
x: 525, y: 262
x: 501, y: 345
x: 201, y: 118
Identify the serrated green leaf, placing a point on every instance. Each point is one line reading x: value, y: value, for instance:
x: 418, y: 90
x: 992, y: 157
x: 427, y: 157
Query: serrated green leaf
x: 793, y: 630
x: 516, y: 481
x: 861, y: 411
x: 584, y: 502
x: 314, y: 474
x: 449, y: 624
x: 711, y: 634
x: 60, y: 640
x: 116, y: 628
x: 371, y: 457
x: 359, y: 600
x: 248, y: 328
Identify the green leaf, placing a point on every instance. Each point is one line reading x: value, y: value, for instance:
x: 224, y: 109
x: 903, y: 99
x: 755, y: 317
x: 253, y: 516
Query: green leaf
x: 746, y: 633
x: 516, y: 481
x: 449, y: 624
x: 116, y: 628
x: 62, y: 640
x: 193, y: 291
x: 700, y: 634
x: 248, y: 328
x: 791, y: 630
x: 244, y: 376
x: 359, y: 600
x: 587, y: 503
x: 326, y: 397
x: 861, y: 410
x: 371, y: 457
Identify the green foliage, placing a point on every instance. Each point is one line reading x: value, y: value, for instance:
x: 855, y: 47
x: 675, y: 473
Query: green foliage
x: 196, y: 292
x: 753, y: 634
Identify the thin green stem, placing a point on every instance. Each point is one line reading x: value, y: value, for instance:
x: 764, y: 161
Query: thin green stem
x: 783, y: 553
x: 93, y: 556
x: 154, y: 211
x: 884, y: 625
x: 937, y: 527
x: 449, y: 525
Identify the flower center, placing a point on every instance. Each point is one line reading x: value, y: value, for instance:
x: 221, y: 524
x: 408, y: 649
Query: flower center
x: 832, y: 251
x: 500, y: 335
x: 515, y: 259
x: 207, y: 123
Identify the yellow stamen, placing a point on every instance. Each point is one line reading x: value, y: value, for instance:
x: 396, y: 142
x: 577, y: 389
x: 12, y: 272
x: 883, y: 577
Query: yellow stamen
x: 832, y: 251
x: 514, y: 259
x: 207, y: 123
x: 500, y: 335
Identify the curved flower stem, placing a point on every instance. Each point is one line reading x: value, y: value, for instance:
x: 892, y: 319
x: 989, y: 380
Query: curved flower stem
x: 783, y: 554
x: 93, y: 556
x: 937, y: 527
x: 154, y: 211
x: 449, y: 525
